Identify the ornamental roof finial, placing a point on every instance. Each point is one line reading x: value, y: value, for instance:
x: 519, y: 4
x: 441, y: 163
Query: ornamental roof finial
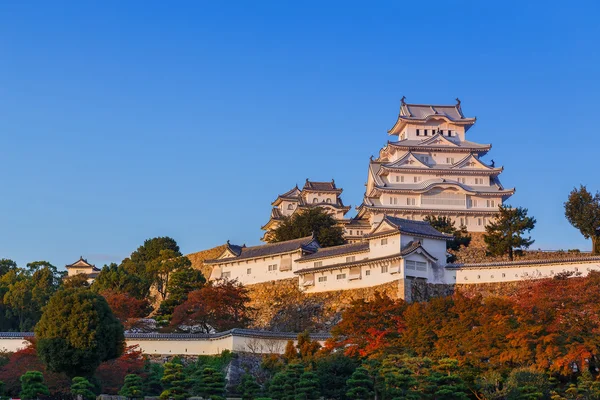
x: 493, y: 163
x: 457, y: 102
x: 402, y: 100
x: 371, y: 158
x: 306, y: 180
x: 228, y: 242
x: 333, y: 181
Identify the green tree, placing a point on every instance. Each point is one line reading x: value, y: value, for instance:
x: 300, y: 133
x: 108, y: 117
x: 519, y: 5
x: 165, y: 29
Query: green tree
x: 313, y: 221
x: 582, y: 210
x: 248, y: 388
x: 32, y: 385
x: 132, y: 387
x: 153, y: 372
x: 277, y: 385
x: 333, y: 372
x: 398, y: 378
x: 211, y: 384
x: 360, y: 385
x: 175, y: 383
x: 77, y: 332
x: 162, y: 268
x: 181, y: 282
x: 505, y: 234
x: 527, y: 384
x: 307, y: 387
x: 116, y: 277
x: 446, y: 225
x: 7, y: 265
x: 81, y: 388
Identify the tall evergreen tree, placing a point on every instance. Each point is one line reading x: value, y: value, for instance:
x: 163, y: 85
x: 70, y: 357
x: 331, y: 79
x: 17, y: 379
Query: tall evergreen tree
x: 175, y: 383
x: 360, y: 385
x: 505, y: 234
x: 277, y: 385
x: 249, y: 388
x: 81, y: 389
x: 582, y: 210
x: 132, y: 387
x: 32, y: 386
x: 307, y: 387
x: 211, y: 384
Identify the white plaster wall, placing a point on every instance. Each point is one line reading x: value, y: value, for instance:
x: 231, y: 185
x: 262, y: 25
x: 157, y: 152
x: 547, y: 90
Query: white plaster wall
x: 259, y: 269
x: 521, y: 273
x: 376, y: 276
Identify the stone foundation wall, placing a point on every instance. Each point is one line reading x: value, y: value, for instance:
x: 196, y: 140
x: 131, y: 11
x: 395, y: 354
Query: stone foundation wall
x: 281, y: 306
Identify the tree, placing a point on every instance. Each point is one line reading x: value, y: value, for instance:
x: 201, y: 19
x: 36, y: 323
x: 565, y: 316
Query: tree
x: 7, y: 265
x: 369, y: 327
x: 527, y: 384
x: 77, y: 332
x: 76, y: 281
x: 132, y: 387
x: 181, y: 282
x: 307, y: 387
x: 333, y: 372
x: 126, y: 309
x: 505, y: 233
x: 446, y: 225
x: 249, y: 388
x: 211, y: 384
x: 277, y: 386
x: 81, y: 389
x: 116, y: 278
x: 174, y: 382
x: 32, y: 385
x: 582, y: 210
x: 360, y: 385
x: 111, y: 374
x: 163, y: 267
x: 398, y: 378
x: 219, y: 306
x: 313, y: 221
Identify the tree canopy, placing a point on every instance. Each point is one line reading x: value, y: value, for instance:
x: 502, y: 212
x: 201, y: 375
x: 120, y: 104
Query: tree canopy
x: 582, y: 210
x: 77, y: 331
x: 219, y: 306
x: 446, y: 225
x: 505, y: 234
x: 312, y: 221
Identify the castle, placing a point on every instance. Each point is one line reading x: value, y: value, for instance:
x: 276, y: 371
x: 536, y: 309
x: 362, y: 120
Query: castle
x: 430, y: 169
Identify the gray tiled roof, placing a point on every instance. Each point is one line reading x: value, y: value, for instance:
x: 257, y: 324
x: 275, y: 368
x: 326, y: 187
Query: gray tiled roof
x: 321, y: 186
x: 508, y: 264
x: 422, y: 111
x: 268, y: 249
x: 337, y: 251
x: 177, y: 336
x: 465, y: 144
x: 412, y: 227
x: 412, y: 246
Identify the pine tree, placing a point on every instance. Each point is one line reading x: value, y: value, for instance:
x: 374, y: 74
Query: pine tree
x: 174, y: 382
x: 360, y: 385
x: 32, y: 385
x: 248, y: 388
x: 132, y: 387
x: 307, y: 387
x: 276, y: 386
x: 293, y: 373
x: 505, y: 234
x: 81, y: 389
x: 211, y: 384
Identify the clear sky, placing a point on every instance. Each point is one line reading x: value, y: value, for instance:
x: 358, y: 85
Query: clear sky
x: 121, y: 121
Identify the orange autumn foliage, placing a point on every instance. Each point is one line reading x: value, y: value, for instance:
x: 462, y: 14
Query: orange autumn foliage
x: 126, y: 308
x: 550, y: 324
x: 111, y: 374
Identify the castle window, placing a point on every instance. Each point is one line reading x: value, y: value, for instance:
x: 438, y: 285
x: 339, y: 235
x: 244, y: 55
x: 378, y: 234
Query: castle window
x: 384, y: 269
x: 449, y: 132
x: 272, y: 267
x: 290, y: 206
x: 226, y: 275
x: 410, y: 201
x: 350, y: 232
x: 479, y: 221
x: 418, y: 132
x: 350, y: 259
x: 462, y: 222
x: 416, y: 178
x: 368, y: 272
x: 318, y: 264
x: 442, y: 132
x: 341, y: 276
x: 322, y: 279
x: 249, y: 271
x: 383, y: 242
x: 504, y: 275
x: 491, y: 203
x: 478, y: 276
x: 328, y: 201
x: 315, y: 200
x: 449, y: 160
x: 426, y: 131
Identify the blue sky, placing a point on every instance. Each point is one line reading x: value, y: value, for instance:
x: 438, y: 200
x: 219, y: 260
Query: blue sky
x: 121, y: 121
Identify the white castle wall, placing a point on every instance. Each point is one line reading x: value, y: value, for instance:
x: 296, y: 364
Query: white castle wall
x: 237, y: 340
